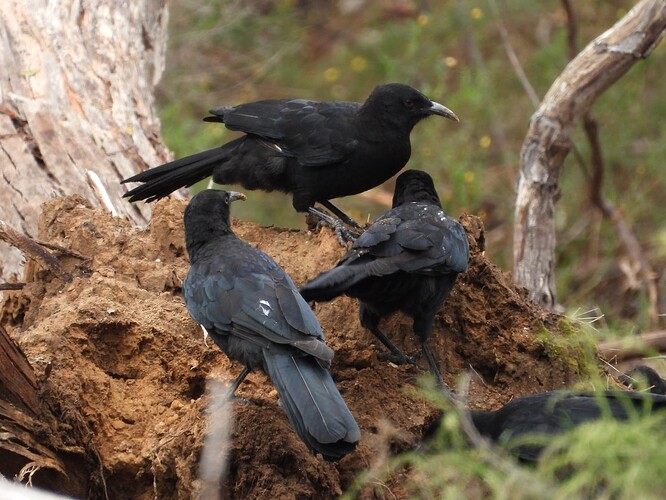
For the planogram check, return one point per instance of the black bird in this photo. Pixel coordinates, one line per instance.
(314, 150)
(254, 313)
(552, 413)
(408, 260)
(644, 377)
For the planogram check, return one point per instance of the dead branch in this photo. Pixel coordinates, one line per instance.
(633, 347)
(513, 58)
(32, 250)
(11, 286)
(547, 142)
(100, 192)
(18, 384)
(639, 264)
(61, 250)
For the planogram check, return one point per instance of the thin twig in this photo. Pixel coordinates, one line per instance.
(100, 192)
(12, 286)
(62, 250)
(640, 264)
(32, 250)
(513, 58)
(572, 29)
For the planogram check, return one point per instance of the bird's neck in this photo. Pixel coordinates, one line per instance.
(204, 237)
(415, 195)
(381, 126)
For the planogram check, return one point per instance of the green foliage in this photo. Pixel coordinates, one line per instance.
(600, 459)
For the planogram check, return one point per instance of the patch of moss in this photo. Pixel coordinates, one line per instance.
(572, 343)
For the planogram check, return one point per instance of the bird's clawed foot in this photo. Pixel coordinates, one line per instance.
(399, 359)
(343, 234)
(237, 399)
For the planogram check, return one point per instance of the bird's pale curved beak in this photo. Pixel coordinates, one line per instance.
(235, 195)
(441, 110)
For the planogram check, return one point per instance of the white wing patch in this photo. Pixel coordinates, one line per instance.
(265, 307)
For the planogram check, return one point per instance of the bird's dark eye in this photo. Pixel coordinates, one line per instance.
(409, 103)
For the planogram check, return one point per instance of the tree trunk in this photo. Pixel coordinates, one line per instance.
(547, 142)
(77, 94)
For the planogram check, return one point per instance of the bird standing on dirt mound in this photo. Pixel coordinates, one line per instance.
(408, 260)
(314, 150)
(254, 313)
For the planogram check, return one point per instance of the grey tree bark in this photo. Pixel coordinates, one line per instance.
(76, 94)
(547, 142)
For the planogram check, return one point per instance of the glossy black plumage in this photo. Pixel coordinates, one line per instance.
(552, 413)
(314, 150)
(254, 313)
(408, 260)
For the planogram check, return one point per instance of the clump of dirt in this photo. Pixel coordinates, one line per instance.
(124, 369)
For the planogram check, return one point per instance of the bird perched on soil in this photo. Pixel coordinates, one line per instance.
(407, 260)
(552, 413)
(644, 377)
(254, 313)
(314, 150)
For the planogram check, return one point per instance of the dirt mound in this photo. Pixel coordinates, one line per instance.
(124, 368)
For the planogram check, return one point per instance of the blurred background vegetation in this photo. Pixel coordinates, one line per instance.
(233, 51)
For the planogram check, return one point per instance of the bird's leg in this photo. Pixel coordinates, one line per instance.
(340, 214)
(397, 356)
(435, 371)
(343, 235)
(433, 365)
(237, 383)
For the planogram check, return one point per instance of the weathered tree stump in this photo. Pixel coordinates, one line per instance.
(547, 142)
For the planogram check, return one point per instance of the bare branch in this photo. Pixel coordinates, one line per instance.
(11, 286)
(513, 58)
(547, 142)
(632, 347)
(100, 192)
(32, 250)
(639, 262)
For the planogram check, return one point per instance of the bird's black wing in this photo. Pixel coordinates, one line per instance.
(415, 237)
(243, 292)
(315, 133)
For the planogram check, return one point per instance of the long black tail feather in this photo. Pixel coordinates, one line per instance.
(332, 283)
(165, 179)
(314, 406)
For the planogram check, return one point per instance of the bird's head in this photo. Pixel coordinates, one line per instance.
(415, 185)
(400, 103)
(207, 216)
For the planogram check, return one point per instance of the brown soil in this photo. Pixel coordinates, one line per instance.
(123, 368)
